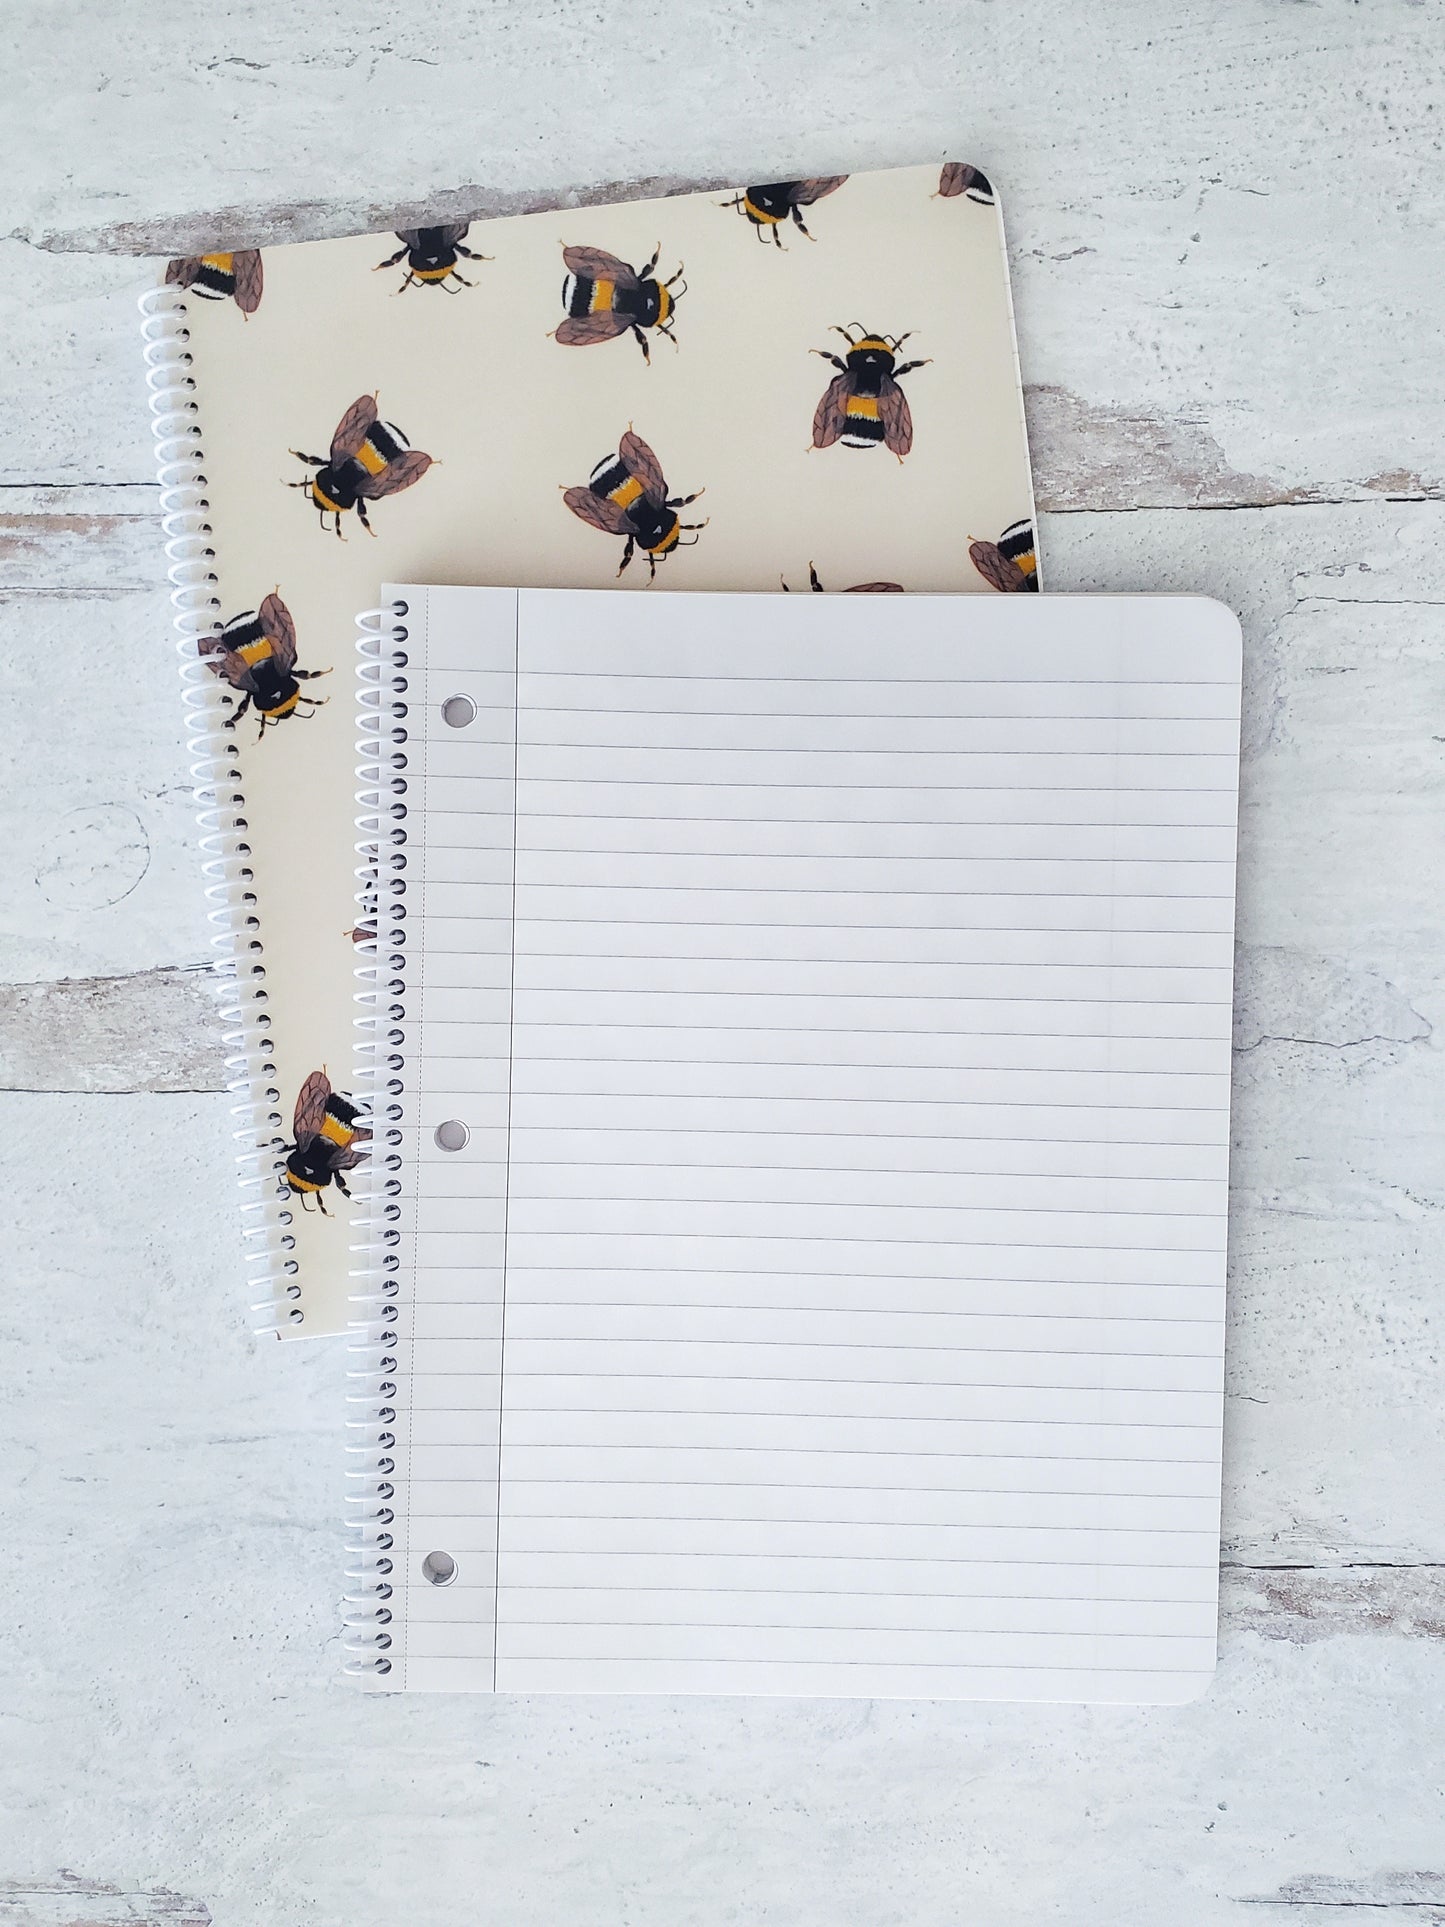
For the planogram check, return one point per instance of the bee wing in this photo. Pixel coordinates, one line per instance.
(875, 588)
(351, 429)
(310, 1107)
(410, 237)
(280, 630)
(232, 666)
(180, 274)
(806, 192)
(246, 267)
(453, 232)
(408, 467)
(959, 178)
(596, 510)
(896, 416)
(998, 570)
(639, 460)
(580, 331)
(831, 413)
(596, 264)
(348, 1159)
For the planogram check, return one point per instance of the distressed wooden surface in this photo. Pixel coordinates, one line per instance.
(1228, 241)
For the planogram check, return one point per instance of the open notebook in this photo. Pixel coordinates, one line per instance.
(801, 1086)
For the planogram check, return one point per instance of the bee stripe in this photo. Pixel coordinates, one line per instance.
(601, 302)
(669, 541)
(371, 459)
(282, 708)
(755, 213)
(432, 274)
(335, 1132)
(324, 501)
(222, 263)
(301, 1184)
(628, 493)
(254, 652)
(865, 405)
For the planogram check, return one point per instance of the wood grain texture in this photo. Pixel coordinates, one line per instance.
(1228, 238)
(70, 1901)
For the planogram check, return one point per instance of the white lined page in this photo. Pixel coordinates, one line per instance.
(870, 978)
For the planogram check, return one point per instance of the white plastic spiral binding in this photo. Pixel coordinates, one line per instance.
(380, 1057)
(238, 975)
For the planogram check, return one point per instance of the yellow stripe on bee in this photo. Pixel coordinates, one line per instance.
(432, 274)
(370, 460)
(601, 302)
(873, 342)
(625, 496)
(222, 263)
(669, 541)
(282, 709)
(253, 652)
(664, 306)
(300, 1184)
(864, 405)
(1028, 563)
(335, 1132)
(756, 213)
(324, 501)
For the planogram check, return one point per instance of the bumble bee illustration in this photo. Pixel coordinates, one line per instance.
(770, 206)
(863, 404)
(431, 255)
(959, 178)
(604, 297)
(369, 458)
(256, 653)
(221, 277)
(858, 588)
(1010, 564)
(329, 1141)
(627, 495)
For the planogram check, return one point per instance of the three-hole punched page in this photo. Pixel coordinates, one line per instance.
(801, 1097)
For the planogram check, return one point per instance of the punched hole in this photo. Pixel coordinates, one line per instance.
(458, 711)
(453, 1135)
(439, 1568)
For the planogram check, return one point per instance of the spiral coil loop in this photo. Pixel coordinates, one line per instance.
(238, 973)
(381, 1040)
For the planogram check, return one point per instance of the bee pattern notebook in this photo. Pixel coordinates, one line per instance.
(800, 1064)
(806, 385)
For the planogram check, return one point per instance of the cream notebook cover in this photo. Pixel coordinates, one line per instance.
(823, 370)
(800, 1069)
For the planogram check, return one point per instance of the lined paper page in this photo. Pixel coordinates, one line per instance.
(870, 1014)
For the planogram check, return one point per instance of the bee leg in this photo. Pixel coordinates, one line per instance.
(320, 1206)
(641, 340)
(681, 501)
(644, 273)
(239, 711)
(461, 281)
(390, 261)
(813, 581)
(309, 675)
(627, 552)
(798, 218)
(311, 461)
(909, 366)
(836, 360)
(341, 1184)
(360, 515)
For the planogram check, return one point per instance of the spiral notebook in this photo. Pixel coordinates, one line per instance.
(799, 1059)
(823, 372)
